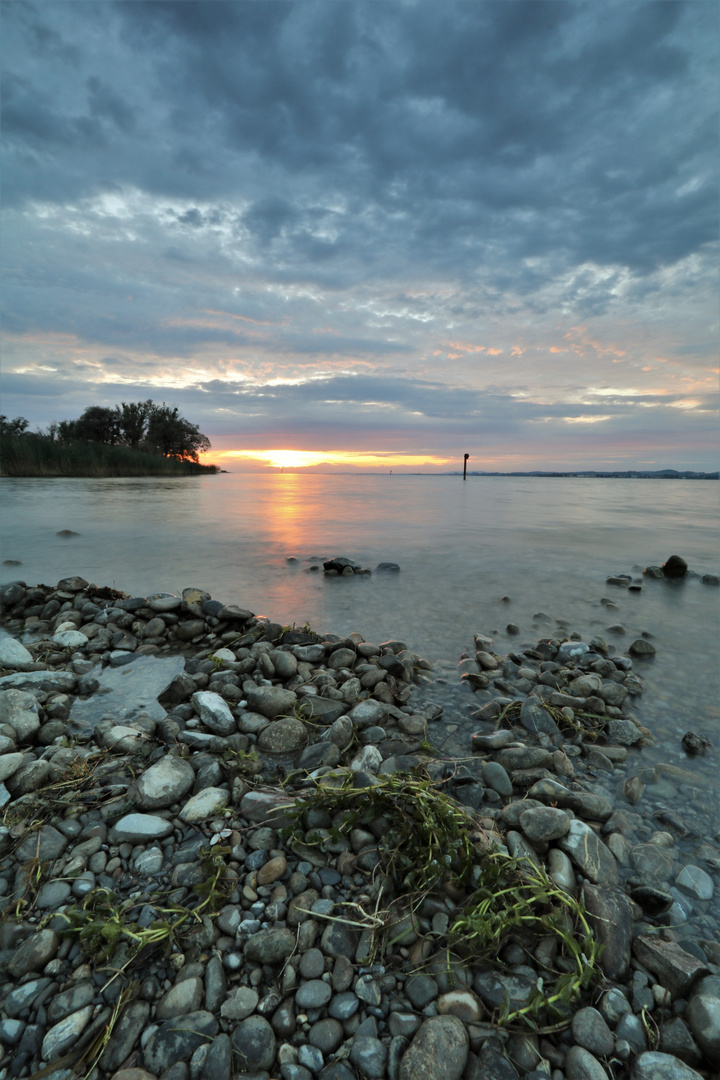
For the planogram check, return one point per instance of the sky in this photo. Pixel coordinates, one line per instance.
(344, 235)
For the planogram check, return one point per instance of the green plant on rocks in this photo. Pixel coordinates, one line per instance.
(516, 899)
(427, 842)
(428, 838)
(106, 926)
(586, 725)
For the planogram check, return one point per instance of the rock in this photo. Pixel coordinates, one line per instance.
(218, 1060)
(71, 584)
(654, 1066)
(271, 701)
(675, 968)
(125, 1035)
(580, 1064)
(675, 567)
(139, 828)
(524, 757)
(164, 783)
(62, 1036)
(624, 732)
(70, 639)
(495, 777)
(62, 682)
(544, 823)
(253, 1041)
(498, 987)
(206, 804)
(29, 777)
(320, 710)
(34, 953)
(652, 861)
(313, 994)
(590, 1031)
(439, 1049)
(641, 647)
(460, 1003)
(703, 1018)
(270, 946)
(214, 713)
(184, 997)
(190, 629)
(695, 744)
(176, 1039)
(164, 602)
(19, 710)
(9, 764)
(283, 736)
(677, 1041)
(266, 808)
(14, 655)
(691, 879)
(610, 916)
(590, 854)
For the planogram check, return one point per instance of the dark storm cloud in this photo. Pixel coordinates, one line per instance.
(536, 127)
(254, 190)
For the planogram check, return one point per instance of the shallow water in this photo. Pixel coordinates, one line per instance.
(547, 544)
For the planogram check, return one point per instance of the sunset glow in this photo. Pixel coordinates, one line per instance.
(303, 459)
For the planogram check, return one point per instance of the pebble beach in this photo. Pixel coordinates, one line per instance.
(212, 844)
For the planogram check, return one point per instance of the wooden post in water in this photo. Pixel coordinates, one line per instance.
(465, 467)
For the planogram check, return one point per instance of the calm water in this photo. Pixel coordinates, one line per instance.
(548, 544)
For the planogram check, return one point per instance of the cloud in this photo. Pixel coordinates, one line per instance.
(200, 194)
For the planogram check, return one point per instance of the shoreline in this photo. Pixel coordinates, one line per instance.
(309, 950)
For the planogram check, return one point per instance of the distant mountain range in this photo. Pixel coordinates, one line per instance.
(629, 474)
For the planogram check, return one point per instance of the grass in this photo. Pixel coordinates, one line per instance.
(427, 843)
(37, 455)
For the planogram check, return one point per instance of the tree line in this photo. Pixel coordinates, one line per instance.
(137, 425)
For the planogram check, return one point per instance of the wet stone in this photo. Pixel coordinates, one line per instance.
(439, 1049)
(164, 783)
(283, 736)
(421, 990)
(696, 882)
(367, 1053)
(495, 777)
(177, 1039)
(580, 1064)
(125, 1035)
(34, 953)
(544, 823)
(253, 1041)
(703, 1018)
(270, 946)
(313, 994)
(45, 845)
(343, 1006)
(590, 1031)
(139, 828)
(63, 1035)
(589, 853)
(653, 1065)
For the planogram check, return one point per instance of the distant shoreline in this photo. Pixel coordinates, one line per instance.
(585, 474)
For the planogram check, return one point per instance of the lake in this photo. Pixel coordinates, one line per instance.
(547, 544)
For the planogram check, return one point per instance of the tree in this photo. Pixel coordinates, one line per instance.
(97, 424)
(173, 435)
(134, 419)
(13, 427)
